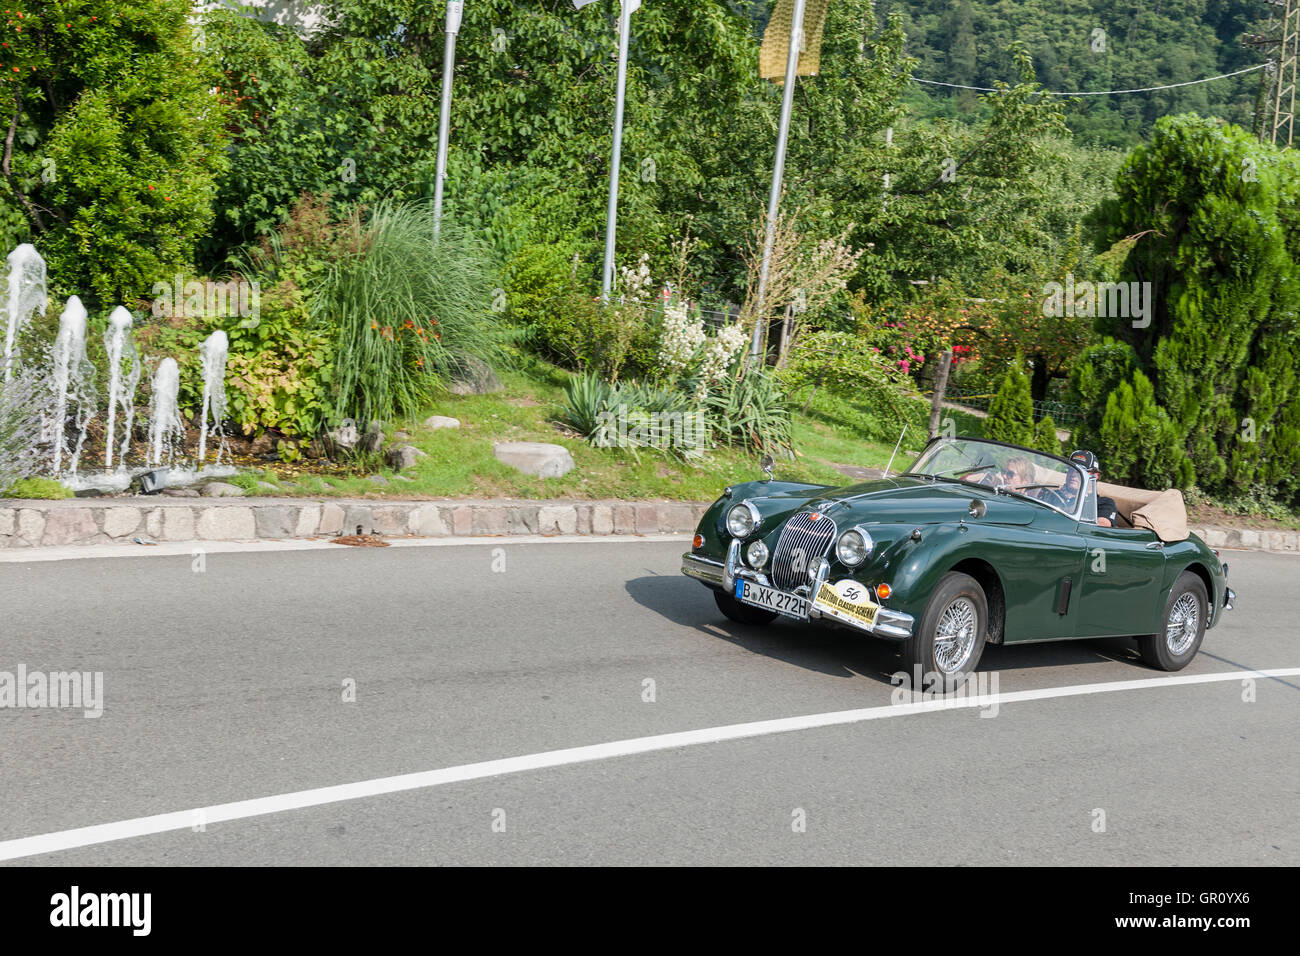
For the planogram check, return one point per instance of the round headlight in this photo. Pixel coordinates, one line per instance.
(756, 555)
(742, 520)
(853, 547)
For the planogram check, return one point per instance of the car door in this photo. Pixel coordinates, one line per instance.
(1123, 574)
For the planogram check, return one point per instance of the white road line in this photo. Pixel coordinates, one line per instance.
(187, 548)
(302, 799)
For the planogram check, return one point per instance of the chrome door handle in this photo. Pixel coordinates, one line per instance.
(1155, 546)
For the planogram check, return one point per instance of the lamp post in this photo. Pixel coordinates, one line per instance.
(454, 10)
(778, 172)
(626, 9)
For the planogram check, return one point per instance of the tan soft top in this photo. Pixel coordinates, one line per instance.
(1163, 512)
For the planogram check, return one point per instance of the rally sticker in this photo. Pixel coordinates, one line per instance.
(848, 601)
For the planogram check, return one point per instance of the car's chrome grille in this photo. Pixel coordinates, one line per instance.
(802, 542)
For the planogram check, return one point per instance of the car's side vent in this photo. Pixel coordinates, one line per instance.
(1063, 602)
(802, 542)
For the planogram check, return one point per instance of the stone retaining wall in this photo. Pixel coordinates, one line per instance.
(25, 524)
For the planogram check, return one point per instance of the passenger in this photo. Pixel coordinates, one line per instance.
(1107, 510)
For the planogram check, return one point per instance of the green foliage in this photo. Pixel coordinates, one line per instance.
(405, 310)
(1045, 436)
(1215, 211)
(1094, 375)
(750, 410)
(1144, 45)
(1011, 412)
(278, 371)
(120, 140)
(1139, 445)
(586, 397)
(579, 332)
(846, 365)
(37, 488)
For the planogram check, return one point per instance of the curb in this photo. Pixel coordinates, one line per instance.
(1250, 539)
(46, 524)
(79, 521)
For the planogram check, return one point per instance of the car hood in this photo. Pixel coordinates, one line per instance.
(903, 499)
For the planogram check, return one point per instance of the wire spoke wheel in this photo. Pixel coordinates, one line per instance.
(954, 638)
(1184, 621)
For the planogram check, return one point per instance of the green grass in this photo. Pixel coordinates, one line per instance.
(460, 462)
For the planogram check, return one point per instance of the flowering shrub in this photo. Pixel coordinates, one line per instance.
(679, 338)
(721, 353)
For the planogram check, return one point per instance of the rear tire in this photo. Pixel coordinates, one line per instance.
(949, 640)
(1183, 626)
(742, 613)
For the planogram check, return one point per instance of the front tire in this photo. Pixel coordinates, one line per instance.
(1183, 626)
(742, 613)
(947, 644)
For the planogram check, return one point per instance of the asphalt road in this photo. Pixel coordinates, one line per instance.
(228, 684)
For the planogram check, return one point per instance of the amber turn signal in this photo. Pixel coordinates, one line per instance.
(883, 591)
(698, 541)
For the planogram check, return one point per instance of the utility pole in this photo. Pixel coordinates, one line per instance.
(455, 8)
(1276, 120)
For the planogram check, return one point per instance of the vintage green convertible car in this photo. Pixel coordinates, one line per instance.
(978, 542)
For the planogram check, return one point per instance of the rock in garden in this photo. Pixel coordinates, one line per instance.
(377, 479)
(373, 439)
(220, 489)
(267, 486)
(344, 438)
(535, 458)
(180, 492)
(441, 421)
(401, 457)
(474, 377)
(262, 444)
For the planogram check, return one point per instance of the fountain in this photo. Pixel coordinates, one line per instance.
(213, 353)
(166, 430)
(25, 295)
(121, 389)
(74, 379)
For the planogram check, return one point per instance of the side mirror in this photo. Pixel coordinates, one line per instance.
(766, 463)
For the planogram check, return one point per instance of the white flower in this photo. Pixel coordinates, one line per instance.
(680, 337)
(721, 353)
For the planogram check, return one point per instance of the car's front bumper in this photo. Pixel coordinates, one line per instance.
(890, 624)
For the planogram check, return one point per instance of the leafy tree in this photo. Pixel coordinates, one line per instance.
(1088, 45)
(1045, 438)
(1011, 411)
(1094, 374)
(1210, 215)
(1140, 445)
(114, 140)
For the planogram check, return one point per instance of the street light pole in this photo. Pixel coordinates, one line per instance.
(454, 10)
(611, 215)
(778, 172)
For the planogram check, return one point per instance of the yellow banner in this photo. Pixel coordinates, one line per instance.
(776, 40)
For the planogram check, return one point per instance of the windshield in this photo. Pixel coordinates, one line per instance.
(1014, 470)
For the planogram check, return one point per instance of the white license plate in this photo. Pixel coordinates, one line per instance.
(791, 605)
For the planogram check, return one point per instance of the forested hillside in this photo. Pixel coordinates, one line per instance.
(1082, 45)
